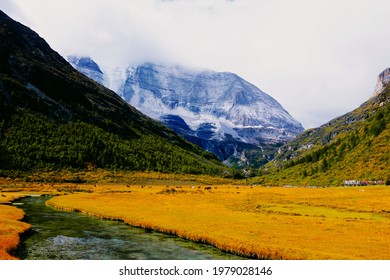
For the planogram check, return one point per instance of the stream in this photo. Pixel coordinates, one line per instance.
(60, 235)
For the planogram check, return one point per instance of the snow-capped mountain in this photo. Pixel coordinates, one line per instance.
(219, 111)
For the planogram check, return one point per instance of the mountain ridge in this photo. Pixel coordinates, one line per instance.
(53, 117)
(353, 146)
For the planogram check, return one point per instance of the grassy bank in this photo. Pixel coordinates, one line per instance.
(19, 184)
(10, 224)
(276, 223)
(10, 216)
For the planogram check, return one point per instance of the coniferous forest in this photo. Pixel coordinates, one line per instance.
(32, 142)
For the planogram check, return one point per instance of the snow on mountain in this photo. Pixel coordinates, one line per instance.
(225, 101)
(88, 67)
(209, 108)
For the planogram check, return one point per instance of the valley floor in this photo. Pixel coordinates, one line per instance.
(260, 222)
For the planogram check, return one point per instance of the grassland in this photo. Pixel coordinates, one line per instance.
(255, 221)
(10, 225)
(259, 222)
(65, 182)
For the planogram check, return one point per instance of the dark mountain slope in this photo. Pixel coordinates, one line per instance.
(51, 116)
(36, 77)
(354, 146)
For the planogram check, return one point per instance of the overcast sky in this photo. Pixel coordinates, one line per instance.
(319, 59)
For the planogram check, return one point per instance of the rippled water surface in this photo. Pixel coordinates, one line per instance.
(67, 235)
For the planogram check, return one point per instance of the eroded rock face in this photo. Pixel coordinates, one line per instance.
(382, 81)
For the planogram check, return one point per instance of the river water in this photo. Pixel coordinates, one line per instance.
(60, 235)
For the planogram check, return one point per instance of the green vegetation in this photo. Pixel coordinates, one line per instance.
(32, 142)
(352, 147)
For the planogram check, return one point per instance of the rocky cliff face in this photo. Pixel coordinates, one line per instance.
(221, 112)
(382, 81)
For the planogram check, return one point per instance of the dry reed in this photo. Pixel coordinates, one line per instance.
(265, 223)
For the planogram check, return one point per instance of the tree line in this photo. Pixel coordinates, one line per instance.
(33, 142)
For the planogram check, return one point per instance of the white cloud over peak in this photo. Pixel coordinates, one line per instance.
(319, 59)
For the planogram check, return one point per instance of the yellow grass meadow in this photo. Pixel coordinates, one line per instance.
(260, 222)
(10, 225)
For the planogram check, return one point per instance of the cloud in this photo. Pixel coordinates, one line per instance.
(9, 7)
(319, 59)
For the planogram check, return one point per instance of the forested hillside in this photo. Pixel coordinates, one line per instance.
(53, 117)
(354, 146)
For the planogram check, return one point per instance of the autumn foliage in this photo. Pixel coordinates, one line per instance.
(10, 227)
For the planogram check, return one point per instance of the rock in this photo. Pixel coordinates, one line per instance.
(382, 81)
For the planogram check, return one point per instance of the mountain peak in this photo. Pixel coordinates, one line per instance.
(216, 94)
(84, 62)
(87, 66)
(212, 109)
(382, 80)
